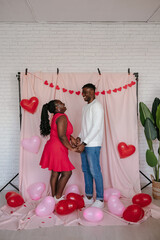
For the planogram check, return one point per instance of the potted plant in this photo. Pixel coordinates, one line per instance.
(151, 123)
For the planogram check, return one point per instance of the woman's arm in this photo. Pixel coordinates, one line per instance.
(61, 129)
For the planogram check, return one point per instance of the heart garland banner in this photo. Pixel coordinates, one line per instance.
(71, 91)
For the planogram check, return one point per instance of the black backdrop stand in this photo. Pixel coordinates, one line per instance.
(20, 116)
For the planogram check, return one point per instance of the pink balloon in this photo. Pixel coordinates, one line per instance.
(46, 207)
(72, 189)
(31, 144)
(111, 192)
(35, 190)
(115, 206)
(93, 214)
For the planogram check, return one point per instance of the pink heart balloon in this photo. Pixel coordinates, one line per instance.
(35, 190)
(46, 207)
(93, 214)
(115, 206)
(111, 192)
(72, 189)
(31, 144)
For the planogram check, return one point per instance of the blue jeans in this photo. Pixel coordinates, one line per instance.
(92, 170)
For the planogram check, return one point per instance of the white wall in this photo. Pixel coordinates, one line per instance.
(72, 47)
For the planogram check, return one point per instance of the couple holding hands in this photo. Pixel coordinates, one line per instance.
(88, 144)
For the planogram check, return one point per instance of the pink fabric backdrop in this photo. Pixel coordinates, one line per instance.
(120, 126)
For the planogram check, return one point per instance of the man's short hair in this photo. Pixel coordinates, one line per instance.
(89, 85)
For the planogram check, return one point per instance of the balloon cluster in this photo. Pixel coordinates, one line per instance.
(14, 199)
(115, 206)
(134, 212)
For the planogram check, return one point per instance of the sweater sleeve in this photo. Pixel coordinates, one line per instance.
(97, 123)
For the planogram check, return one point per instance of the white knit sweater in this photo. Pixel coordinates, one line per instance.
(92, 126)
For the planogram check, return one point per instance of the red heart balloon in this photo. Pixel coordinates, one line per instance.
(125, 150)
(65, 206)
(14, 199)
(77, 198)
(30, 105)
(133, 213)
(142, 199)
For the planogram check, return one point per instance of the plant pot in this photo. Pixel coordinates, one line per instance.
(155, 188)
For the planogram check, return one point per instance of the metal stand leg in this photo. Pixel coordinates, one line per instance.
(147, 179)
(10, 182)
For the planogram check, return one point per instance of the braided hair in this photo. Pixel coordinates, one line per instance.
(44, 125)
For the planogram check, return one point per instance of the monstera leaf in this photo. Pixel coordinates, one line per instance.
(151, 158)
(144, 113)
(158, 117)
(150, 130)
(154, 107)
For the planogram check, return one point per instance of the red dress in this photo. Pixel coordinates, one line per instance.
(55, 154)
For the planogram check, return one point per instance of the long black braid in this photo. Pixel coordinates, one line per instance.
(44, 125)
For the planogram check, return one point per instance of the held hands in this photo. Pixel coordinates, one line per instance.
(77, 146)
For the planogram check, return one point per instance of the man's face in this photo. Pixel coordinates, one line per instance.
(88, 94)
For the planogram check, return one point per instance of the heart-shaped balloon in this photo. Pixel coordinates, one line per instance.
(133, 213)
(142, 199)
(72, 189)
(14, 199)
(115, 206)
(125, 150)
(93, 214)
(65, 206)
(46, 207)
(36, 190)
(30, 105)
(111, 192)
(77, 198)
(31, 144)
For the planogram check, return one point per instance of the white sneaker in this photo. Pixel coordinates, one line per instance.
(88, 201)
(98, 204)
(59, 199)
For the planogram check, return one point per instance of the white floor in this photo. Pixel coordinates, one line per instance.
(149, 230)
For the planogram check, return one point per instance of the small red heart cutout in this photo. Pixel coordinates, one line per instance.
(64, 90)
(78, 92)
(71, 91)
(109, 91)
(125, 86)
(96, 93)
(133, 83)
(57, 87)
(130, 84)
(103, 92)
(125, 150)
(30, 105)
(46, 82)
(119, 89)
(114, 90)
(51, 85)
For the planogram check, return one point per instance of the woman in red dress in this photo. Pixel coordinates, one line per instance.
(55, 153)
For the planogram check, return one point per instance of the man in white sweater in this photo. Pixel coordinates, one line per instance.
(89, 144)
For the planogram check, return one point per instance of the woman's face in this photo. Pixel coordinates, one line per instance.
(60, 107)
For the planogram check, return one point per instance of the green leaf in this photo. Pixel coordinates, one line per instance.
(144, 113)
(155, 104)
(151, 158)
(158, 117)
(150, 130)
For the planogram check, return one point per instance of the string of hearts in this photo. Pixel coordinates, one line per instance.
(119, 89)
